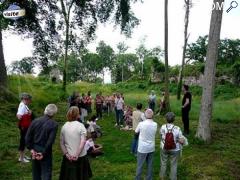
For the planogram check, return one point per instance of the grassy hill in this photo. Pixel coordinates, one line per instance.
(217, 160)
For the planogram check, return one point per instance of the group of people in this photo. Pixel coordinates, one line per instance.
(76, 141)
(143, 145)
(77, 137)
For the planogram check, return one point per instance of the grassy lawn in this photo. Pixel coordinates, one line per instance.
(217, 160)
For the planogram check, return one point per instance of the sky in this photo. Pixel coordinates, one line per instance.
(151, 27)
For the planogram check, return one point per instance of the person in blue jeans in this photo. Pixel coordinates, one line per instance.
(39, 140)
(146, 145)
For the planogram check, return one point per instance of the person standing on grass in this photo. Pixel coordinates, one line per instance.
(137, 118)
(99, 105)
(75, 164)
(89, 102)
(170, 145)
(24, 116)
(119, 106)
(146, 144)
(152, 100)
(186, 107)
(39, 140)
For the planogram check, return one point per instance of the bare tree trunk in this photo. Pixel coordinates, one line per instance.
(3, 71)
(65, 57)
(186, 35)
(204, 130)
(122, 73)
(66, 13)
(166, 56)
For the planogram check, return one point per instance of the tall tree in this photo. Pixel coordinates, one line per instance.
(84, 16)
(106, 54)
(204, 130)
(166, 55)
(122, 48)
(186, 36)
(3, 71)
(24, 66)
(28, 24)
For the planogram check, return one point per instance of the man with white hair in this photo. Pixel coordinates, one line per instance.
(39, 140)
(146, 144)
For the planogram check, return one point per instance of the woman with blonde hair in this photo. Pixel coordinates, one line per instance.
(75, 164)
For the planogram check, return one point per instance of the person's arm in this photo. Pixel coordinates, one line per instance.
(137, 131)
(62, 144)
(51, 139)
(181, 138)
(81, 146)
(186, 103)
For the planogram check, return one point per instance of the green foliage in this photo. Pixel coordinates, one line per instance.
(24, 66)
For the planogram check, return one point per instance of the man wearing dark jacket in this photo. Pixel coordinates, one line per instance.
(39, 140)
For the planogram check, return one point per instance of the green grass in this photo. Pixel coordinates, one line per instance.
(217, 160)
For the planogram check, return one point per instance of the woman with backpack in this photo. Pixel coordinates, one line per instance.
(171, 141)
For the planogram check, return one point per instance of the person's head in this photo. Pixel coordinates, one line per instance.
(93, 118)
(170, 117)
(149, 114)
(26, 98)
(50, 110)
(185, 88)
(139, 106)
(118, 95)
(89, 93)
(152, 92)
(73, 113)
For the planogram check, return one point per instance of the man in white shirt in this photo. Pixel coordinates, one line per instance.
(146, 144)
(172, 154)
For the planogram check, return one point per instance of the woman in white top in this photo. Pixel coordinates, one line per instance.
(24, 116)
(75, 164)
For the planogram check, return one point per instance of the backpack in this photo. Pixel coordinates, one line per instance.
(169, 140)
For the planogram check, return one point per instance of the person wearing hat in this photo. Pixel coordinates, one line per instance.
(152, 101)
(39, 140)
(146, 144)
(24, 116)
(172, 153)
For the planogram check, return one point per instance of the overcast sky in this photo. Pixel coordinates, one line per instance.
(152, 27)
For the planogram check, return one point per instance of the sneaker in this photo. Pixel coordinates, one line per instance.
(27, 157)
(24, 160)
(116, 125)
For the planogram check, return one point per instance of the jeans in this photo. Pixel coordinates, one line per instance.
(185, 120)
(119, 116)
(134, 145)
(42, 170)
(173, 156)
(152, 106)
(141, 158)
